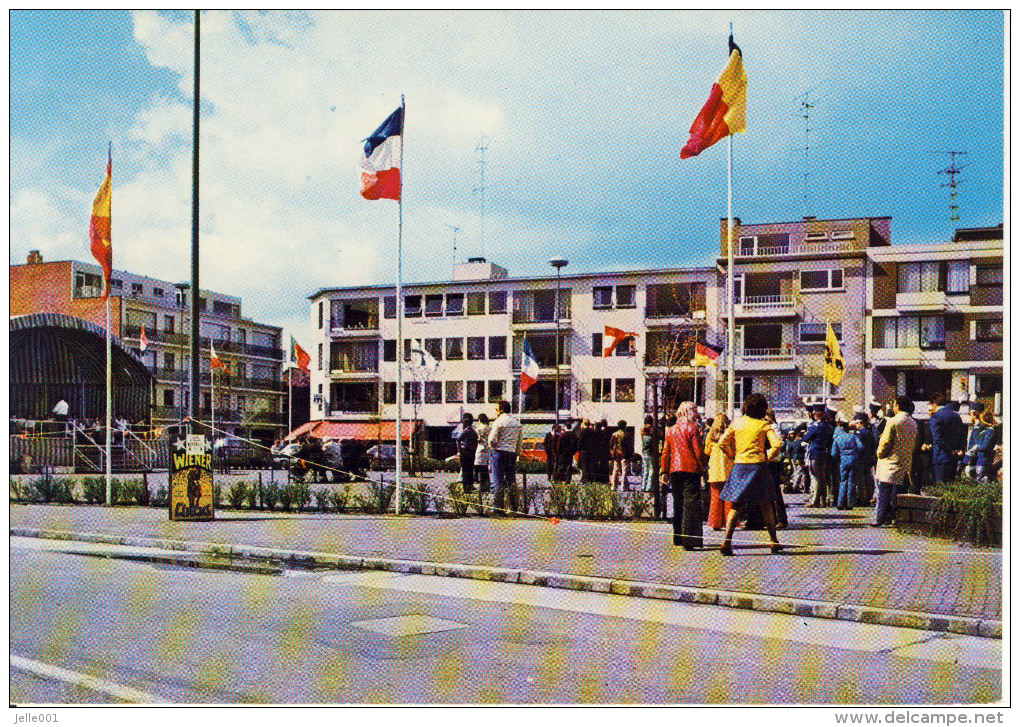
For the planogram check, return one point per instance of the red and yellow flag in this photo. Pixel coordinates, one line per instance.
(299, 355)
(618, 337)
(215, 362)
(725, 112)
(99, 227)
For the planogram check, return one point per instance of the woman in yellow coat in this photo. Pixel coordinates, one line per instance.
(753, 443)
(720, 465)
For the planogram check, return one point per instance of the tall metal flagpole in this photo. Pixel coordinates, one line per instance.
(730, 328)
(400, 311)
(195, 391)
(290, 401)
(109, 350)
(212, 402)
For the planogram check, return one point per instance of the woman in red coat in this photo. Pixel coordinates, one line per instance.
(682, 456)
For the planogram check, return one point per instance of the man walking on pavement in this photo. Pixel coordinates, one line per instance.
(895, 454)
(505, 440)
(467, 443)
(948, 439)
(818, 440)
(549, 444)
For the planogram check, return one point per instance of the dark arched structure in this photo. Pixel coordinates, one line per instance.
(55, 356)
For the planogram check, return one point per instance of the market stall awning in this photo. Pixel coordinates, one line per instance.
(365, 431)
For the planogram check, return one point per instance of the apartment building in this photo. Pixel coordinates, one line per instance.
(791, 280)
(935, 319)
(474, 327)
(250, 396)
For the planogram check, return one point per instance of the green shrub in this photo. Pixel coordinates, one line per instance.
(271, 496)
(966, 510)
(380, 494)
(638, 504)
(594, 499)
(458, 499)
(217, 496)
(238, 493)
(438, 503)
(481, 503)
(340, 499)
(302, 495)
(530, 466)
(130, 492)
(564, 500)
(615, 509)
(94, 489)
(160, 498)
(527, 498)
(287, 493)
(427, 464)
(416, 498)
(252, 494)
(322, 500)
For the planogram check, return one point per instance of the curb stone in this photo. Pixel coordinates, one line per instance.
(274, 560)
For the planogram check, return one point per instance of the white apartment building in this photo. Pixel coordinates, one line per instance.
(474, 327)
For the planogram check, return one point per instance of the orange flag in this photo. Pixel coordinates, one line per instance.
(214, 360)
(100, 227)
(617, 335)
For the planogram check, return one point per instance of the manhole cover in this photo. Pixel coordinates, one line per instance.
(410, 625)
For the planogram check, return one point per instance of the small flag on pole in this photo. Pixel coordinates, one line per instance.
(725, 112)
(380, 166)
(214, 360)
(834, 370)
(143, 340)
(99, 227)
(618, 336)
(298, 355)
(706, 355)
(529, 367)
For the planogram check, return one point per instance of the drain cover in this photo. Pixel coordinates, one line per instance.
(410, 625)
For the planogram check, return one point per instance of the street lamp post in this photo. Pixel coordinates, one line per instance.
(559, 264)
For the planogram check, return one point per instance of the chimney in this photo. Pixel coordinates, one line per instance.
(34, 257)
(809, 218)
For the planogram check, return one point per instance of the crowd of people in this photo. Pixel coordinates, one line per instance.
(722, 473)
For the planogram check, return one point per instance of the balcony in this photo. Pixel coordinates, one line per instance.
(356, 332)
(766, 306)
(907, 356)
(749, 248)
(665, 318)
(766, 359)
(935, 300)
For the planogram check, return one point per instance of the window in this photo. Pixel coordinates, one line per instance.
(476, 304)
(496, 389)
(988, 329)
(389, 349)
(475, 392)
(907, 333)
(412, 306)
(168, 397)
(958, 277)
(821, 279)
(136, 290)
(454, 349)
(625, 297)
(407, 349)
(933, 332)
(601, 390)
(434, 348)
(158, 292)
(389, 306)
(454, 392)
(497, 347)
(919, 277)
(602, 297)
(455, 304)
(433, 306)
(497, 302)
(118, 284)
(989, 275)
(168, 361)
(625, 348)
(809, 386)
(476, 348)
(412, 392)
(389, 392)
(322, 306)
(320, 357)
(817, 332)
(168, 324)
(988, 385)
(433, 392)
(625, 389)
(596, 344)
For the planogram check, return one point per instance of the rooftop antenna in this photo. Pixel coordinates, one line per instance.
(455, 229)
(804, 107)
(483, 145)
(952, 171)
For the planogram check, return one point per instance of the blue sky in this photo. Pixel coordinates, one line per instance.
(586, 113)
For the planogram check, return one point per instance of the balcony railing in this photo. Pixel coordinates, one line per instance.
(766, 354)
(802, 248)
(763, 302)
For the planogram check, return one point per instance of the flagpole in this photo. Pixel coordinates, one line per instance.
(109, 344)
(290, 401)
(731, 327)
(400, 313)
(212, 401)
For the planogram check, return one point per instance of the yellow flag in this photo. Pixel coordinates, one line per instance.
(833, 359)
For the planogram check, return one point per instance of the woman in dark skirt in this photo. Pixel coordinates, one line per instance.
(753, 443)
(778, 503)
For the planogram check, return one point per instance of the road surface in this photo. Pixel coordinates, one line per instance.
(91, 627)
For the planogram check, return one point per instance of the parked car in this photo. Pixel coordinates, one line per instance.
(384, 456)
(533, 449)
(282, 455)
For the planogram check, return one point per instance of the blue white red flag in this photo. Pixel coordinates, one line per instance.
(529, 367)
(380, 167)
